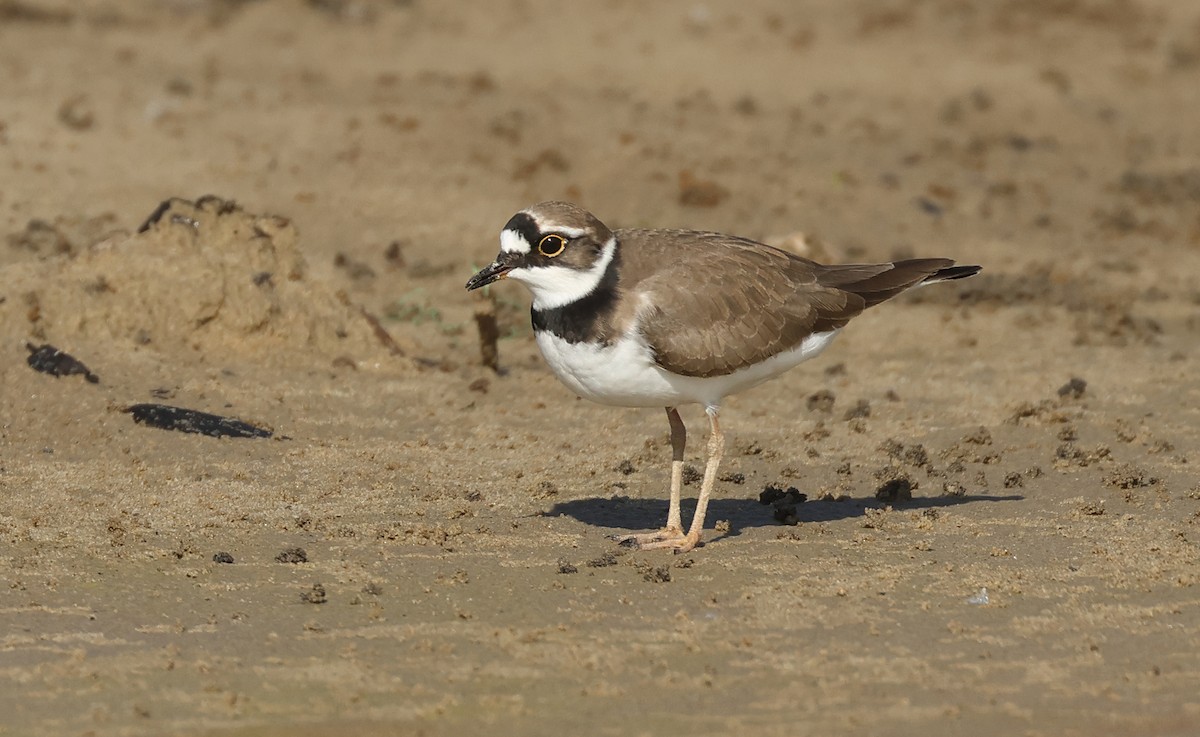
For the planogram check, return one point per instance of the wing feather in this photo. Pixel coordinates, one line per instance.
(745, 303)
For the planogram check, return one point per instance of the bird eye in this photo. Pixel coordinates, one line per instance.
(551, 245)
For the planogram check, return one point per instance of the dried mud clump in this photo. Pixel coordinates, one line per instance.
(913, 455)
(203, 275)
(1073, 389)
(774, 494)
(1060, 410)
(860, 410)
(315, 595)
(979, 437)
(604, 561)
(1126, 476)
(953, 489)
(1069, 455)
(896, 490)
(565, 566)
(657, 574)
(783, 503)
(1045, 411)
(443, 536)
(820, 401)
(545, 490)
(50, 360)
(292, 555)
(818, 432)
(972, 448)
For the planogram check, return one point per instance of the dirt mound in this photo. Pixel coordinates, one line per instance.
(204, 276)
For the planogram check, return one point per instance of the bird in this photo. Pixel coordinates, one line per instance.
(664, 317)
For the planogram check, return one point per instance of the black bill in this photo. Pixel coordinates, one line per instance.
(494, 271)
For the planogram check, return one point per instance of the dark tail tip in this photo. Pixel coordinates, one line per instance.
(952, 272)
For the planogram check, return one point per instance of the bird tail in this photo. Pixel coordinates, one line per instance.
(877, 283)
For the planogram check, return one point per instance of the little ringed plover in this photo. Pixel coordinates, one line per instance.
(661, 318)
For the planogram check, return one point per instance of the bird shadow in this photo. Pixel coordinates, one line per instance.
(629, 513)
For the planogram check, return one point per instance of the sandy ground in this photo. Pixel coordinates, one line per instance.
(457, 573)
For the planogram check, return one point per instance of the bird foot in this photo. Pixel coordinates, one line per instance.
(667, 538)
(642, 539)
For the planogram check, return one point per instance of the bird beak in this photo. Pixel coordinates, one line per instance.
(495, 271)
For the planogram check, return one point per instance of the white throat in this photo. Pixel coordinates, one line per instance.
(556, 286)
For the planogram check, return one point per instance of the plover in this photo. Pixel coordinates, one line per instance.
(662, 318)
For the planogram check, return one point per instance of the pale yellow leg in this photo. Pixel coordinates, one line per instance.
(716, 450)
(674, 528)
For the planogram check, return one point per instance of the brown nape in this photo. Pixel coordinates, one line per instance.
(877, 283)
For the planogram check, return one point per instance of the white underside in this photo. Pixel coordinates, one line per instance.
(624, 373)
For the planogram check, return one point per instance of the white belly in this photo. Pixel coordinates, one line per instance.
(624, 373)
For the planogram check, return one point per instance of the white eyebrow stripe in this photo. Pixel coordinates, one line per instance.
(549, 226)
(512, 242)
(571, 233)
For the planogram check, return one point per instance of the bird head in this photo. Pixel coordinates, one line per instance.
(561, 252)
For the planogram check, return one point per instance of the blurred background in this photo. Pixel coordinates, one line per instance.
(1020, 133)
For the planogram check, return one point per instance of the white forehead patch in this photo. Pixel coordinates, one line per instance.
(558, 285)
(512, 242)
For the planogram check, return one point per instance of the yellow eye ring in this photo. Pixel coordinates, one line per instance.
(551, 245)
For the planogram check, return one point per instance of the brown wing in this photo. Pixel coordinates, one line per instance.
(720, 303)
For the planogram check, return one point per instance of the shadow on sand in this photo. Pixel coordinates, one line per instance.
(628, 513)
